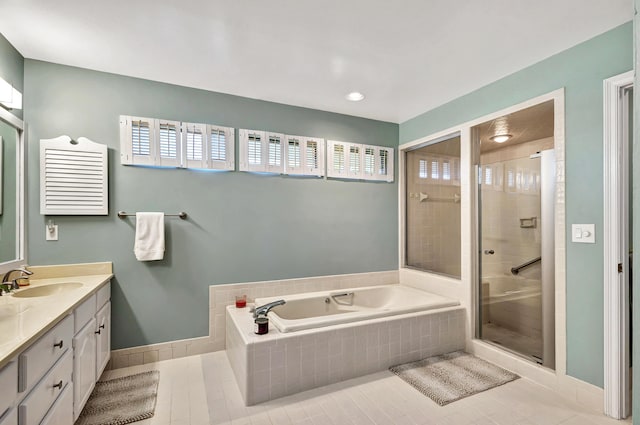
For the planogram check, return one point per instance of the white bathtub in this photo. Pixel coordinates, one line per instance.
(318, 309)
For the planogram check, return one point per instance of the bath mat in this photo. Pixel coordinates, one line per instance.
(122, 400)
(453, 376)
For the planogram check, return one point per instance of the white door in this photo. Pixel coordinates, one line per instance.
(103, 332)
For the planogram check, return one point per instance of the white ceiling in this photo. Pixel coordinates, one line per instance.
(407, 56)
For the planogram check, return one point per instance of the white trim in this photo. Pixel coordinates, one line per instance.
(616, 247)
(468, 286)
(21, 237)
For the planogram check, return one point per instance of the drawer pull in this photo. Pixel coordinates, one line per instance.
(97, 332)
(59, 345)
(58, 385)
(101, 326)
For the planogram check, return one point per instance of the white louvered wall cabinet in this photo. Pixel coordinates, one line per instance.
(73, 177)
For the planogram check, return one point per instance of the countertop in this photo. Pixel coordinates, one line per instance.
(24, 320)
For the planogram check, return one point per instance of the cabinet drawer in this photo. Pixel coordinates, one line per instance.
(62, 411)
(103, 295)
(83, 313)
(41, 398)
(37, 359)
(9, 386)
(11, 418)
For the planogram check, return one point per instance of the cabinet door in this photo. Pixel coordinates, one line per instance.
(10, 418)
(84, 366)
(103, 332)
(61, 413)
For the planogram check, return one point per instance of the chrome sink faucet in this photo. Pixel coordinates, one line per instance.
(263, 310)
(8, 286)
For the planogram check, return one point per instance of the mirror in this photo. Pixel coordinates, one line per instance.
(11, 191)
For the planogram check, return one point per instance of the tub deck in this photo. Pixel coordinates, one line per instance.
(283, 363)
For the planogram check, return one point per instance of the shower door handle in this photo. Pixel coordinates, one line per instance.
(489, 252)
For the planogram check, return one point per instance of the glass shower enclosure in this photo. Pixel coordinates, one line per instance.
(516, 192)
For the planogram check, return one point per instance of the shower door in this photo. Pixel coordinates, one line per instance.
(515, 222)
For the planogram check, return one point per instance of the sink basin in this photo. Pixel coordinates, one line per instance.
(47, 290)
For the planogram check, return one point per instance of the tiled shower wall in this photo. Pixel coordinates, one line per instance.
(502, 207)
(433, 208)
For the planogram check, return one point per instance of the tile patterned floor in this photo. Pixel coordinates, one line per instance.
(201, 390)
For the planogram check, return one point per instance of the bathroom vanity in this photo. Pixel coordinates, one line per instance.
(54, 343)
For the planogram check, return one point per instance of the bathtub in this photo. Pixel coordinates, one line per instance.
(319, 309)
(322, 342)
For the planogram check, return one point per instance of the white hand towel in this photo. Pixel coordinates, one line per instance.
(149, 244)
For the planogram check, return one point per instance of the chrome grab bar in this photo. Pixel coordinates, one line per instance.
(516, 270)
(343, 294)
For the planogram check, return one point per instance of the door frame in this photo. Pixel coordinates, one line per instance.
(617, 385)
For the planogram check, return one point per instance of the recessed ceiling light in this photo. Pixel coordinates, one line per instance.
(354, 96)
(501, 138)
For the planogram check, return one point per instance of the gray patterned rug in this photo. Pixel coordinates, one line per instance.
(122, 400)
(450, 377)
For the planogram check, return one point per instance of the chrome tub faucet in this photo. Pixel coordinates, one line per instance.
(263, 310)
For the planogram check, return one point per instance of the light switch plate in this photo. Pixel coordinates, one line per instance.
(583, 233)
(51, 234)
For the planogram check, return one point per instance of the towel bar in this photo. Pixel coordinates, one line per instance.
(182, 215)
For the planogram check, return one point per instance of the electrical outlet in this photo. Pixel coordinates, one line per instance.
(51, 232)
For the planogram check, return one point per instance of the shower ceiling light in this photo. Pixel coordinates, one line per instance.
(354, 96)
(501, 138)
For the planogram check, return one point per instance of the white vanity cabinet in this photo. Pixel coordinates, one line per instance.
(51, 379)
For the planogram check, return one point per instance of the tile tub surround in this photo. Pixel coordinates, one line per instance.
(276, 364)
(23, 320)
(220, 296)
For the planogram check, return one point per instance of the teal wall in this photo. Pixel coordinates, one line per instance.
(242, 227)
(11, 67)
(581, 71)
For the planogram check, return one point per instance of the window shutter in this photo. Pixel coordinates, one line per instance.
(73, 177)
(369, 162)
(384, 164)
(275, 153)
(193, 145)
(294, 150)
(221, 148)
(137, 141)
(253, 155)
(354, 152)
(168, 137)
(304, 156)
(337, 159)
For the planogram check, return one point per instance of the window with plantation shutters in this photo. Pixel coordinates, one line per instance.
(262, 151)
(220, 148)
(164, 143)
(358, 161)
(137, 141)
(73, 177)
(168, 135)
(275, 147)
(304, 156)
(193, 145)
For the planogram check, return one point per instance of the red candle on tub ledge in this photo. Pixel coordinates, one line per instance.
(241, 301)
